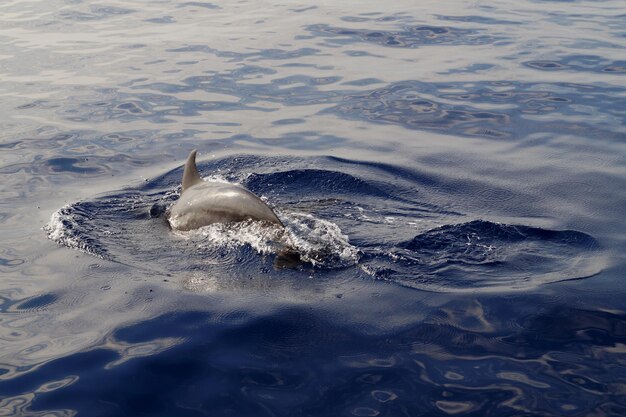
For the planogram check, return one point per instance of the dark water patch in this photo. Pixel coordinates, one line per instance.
(483, 20)
(172, 325)
(580, 63)
(408, 37)
(95, 13)
(7, 263)
(130, 107)
(464, 355)
(578, 329)
(10, 259)
(284, 122)
(260, 55)
(363, 82)
(110, 10)
(161, 20)
(71, 165)
(473, 69)
(367, 17)
(205, 5)
(10, 145)
(288, 331)
(39, 302)
(592, 44)
(361, 53)
(304, 9)
(298, 65)
(38, 104)
(135, 46)
(322, 183)
(353, 19)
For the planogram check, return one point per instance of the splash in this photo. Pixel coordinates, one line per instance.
(131, 228)
(66, 229)
(318, 242)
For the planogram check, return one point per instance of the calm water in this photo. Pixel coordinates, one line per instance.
(452, 174)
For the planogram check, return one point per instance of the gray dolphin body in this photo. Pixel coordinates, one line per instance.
(202, 203)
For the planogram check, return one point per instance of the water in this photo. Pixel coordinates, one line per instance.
(451, 176)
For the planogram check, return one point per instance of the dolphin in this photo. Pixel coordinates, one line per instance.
(202, 203)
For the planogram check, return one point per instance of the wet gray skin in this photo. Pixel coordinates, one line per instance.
(202, 203)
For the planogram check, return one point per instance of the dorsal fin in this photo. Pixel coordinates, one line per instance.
(191, 175)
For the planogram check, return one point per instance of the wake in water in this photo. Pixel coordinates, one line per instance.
(321, 207)
(485, 256)
(131, 228)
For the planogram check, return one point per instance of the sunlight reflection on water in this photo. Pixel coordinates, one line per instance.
(445, 146)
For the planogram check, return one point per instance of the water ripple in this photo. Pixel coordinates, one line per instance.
(409, 37)
(497, 110)
(583, 63)
(484, 255)
(315, 205)
(450, 175)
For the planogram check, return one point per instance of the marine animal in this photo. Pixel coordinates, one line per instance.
(202, 202)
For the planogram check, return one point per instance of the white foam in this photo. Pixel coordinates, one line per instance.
(60, 229)
(317, 241)
(218, 178)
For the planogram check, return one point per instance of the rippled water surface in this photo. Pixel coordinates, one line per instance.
(451, 176)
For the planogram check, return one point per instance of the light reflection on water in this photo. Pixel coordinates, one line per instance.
(409, 128)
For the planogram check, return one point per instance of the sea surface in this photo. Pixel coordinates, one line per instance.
(451, 175)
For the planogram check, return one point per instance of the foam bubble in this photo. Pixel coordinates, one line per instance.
(63, 229)
(318, 242)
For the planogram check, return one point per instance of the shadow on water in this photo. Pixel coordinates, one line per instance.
(338, 214)
(507, 359)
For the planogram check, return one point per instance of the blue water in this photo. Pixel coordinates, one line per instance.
(451, 175)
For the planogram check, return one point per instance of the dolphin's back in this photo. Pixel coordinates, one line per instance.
(209, 202)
